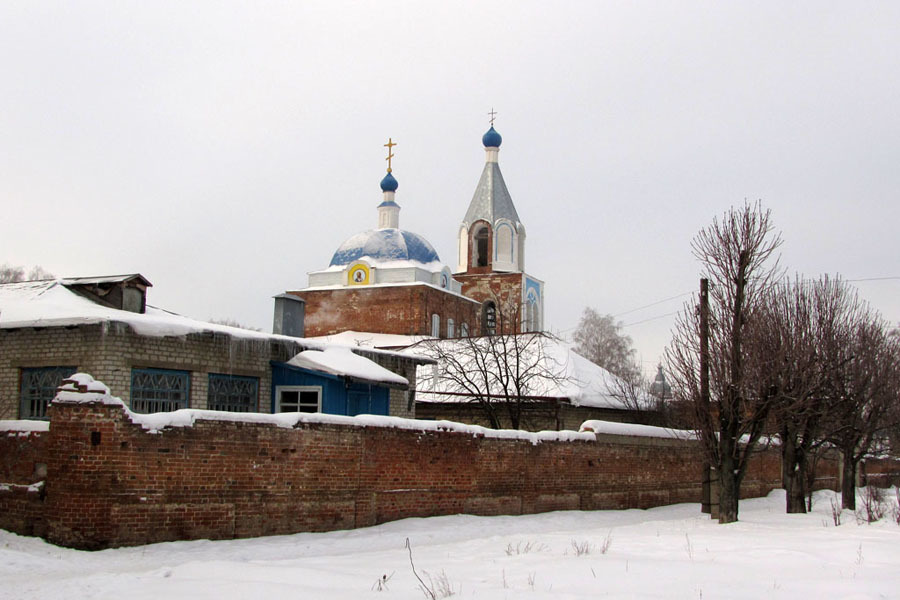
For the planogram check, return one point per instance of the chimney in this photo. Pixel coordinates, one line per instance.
(289, 315)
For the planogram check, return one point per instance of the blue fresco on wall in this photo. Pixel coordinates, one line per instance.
(533, 291)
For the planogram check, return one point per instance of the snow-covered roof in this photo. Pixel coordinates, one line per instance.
(386, 264)
(340, 360)
(50, 303)
(106, 279)
(565, 375)
(366, 339)
(385, 245)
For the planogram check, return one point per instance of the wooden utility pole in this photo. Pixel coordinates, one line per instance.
(707, 505)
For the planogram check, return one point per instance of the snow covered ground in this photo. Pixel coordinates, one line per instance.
(668, 552)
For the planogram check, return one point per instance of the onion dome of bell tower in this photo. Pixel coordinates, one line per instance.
(491, 139)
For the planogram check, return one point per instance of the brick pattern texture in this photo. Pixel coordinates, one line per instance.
(109, 483)
(401, 309)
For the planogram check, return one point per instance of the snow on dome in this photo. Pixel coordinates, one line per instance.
(385, 245)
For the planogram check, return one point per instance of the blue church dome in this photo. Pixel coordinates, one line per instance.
(491, 139)
(385, 245)
(389, 183)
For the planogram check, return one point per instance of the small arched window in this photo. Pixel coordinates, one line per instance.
(451, 328)
(436, 325)
(489, 318)
(464, 330)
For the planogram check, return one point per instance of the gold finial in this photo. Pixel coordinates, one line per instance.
(390, 155)
(493, 114)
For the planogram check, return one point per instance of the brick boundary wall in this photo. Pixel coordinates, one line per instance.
(23, 466)
(110, 483)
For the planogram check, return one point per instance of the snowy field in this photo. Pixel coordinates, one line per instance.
(668, 552)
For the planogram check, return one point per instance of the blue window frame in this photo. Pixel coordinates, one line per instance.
(39, 388)
(232, 393)
(159, 390)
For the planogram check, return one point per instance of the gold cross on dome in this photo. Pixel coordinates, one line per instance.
(390, 155)
(493, 114)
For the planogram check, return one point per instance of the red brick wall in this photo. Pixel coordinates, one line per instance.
(23, 458)
(400, 309)
(110, 483)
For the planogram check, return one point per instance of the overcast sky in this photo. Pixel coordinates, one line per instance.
(225, 149)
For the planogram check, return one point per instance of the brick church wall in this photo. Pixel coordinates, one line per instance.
(503, 288)
(400, 309)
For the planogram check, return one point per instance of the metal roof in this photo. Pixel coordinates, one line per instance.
(491, 200)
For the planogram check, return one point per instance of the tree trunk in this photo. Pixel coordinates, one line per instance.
(848, 480)
(729, 490)
(793, 475)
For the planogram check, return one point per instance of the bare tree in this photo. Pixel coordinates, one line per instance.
(599, 339)
(737, 257)
(504, 374)
(796, 321)
(861, 379)
(10, 274)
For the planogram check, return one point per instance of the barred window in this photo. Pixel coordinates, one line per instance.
(39, 388)
(232, 393)
(159, 390)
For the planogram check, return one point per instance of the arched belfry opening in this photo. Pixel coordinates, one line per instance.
(481, 251)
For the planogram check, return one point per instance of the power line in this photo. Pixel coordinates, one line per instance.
(872, 279)
(651, 319)
(627, 312)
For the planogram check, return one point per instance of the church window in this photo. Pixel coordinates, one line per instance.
(298, 398)
(159, 390)
(464, 330)
(489, 318)
(481, 246)
(39, 388)
(436, 325)
(232, 393)
(451, 328)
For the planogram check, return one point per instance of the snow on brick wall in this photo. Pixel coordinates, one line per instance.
(23, 456)
(111, 482)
